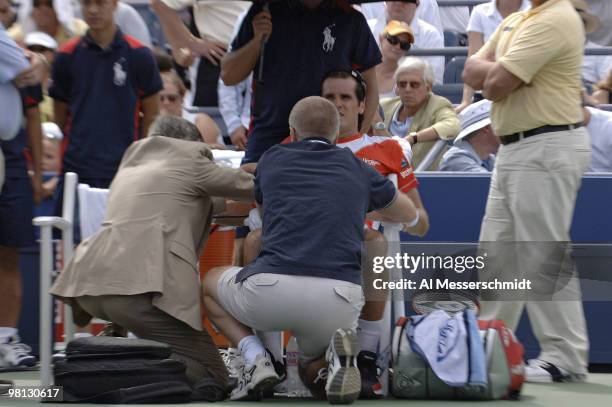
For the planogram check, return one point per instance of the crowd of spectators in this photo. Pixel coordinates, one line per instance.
(91, 68)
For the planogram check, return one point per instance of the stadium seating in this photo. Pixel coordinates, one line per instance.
(451, 91)
(454, 69)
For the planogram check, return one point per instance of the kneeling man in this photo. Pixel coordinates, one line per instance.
(307, 278)
(140, 270)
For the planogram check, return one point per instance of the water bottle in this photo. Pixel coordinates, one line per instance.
(295, 387)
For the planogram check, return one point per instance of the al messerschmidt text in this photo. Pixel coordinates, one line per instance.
(446, 284)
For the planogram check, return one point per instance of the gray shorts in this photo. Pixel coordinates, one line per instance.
(312, 308)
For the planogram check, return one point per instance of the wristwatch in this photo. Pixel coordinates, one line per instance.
(379, 126)
(414, 135)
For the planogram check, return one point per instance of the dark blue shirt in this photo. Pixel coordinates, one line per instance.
(303, 47)
(15, 162)
(103, 89)
(315, 197)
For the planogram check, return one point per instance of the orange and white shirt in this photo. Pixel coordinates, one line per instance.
(388, 155)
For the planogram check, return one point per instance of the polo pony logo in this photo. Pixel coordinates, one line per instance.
(329, 39)
(119, 74)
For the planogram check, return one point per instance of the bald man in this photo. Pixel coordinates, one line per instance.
(307, 277)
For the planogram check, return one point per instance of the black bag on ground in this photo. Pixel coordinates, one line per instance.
(120, 371)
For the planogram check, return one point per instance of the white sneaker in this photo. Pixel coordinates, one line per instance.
(256, 378)
(16, 354)
(343, 378)
(233, 361)
(540, 371)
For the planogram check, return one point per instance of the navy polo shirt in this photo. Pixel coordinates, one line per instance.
(303, 47)
(13, 150)
(315, 197)
(103, 89)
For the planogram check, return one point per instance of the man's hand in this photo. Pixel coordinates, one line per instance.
(239, 138)
(209, 49)
(183, 57)
(262, 26)
(34, 74)
(249, 167)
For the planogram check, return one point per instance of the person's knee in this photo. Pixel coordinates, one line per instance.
(211, 278)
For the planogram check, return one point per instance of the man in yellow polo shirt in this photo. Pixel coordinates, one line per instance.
(531, 70)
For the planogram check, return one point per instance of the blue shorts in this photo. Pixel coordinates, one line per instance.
(16, 212)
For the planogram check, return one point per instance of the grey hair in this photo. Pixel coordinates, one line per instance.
(315, 116)
(174, 127)
(416, 64)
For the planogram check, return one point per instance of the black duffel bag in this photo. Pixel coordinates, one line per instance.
(120, 371)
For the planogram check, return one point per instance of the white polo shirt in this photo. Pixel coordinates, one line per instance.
(595, 67)
(485, 18)
(600, 130)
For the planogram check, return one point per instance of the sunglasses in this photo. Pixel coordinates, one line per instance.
(393, 40)
(171, 98)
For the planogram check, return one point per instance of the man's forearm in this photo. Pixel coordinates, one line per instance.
(475, 72)
(372, 99)
(177, 34)
(238, 64)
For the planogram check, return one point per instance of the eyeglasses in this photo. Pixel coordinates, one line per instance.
(393, 40)
(172, 97)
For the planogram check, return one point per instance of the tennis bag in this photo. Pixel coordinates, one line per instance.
(414, 379)
(111, 370)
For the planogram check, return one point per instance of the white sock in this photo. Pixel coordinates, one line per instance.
(78, 335)
(7, 333)
(368, 333)
(250, 347)
(273, 342)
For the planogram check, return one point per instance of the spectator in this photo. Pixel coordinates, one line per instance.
(454, 18)
(602, 9)
(213, 24)
(8, 17)
(417, 114)
(475, 146)
(51, 163)
(54, 17)
(594, 67)
(287, 284)
(425, 34)
(395, 40)
(131, 23)
(43, 43)
(12, 64)
(483, 22)
(599, 125)
(171, 103)
(157, 221)
(18, 196)
(603, 90)
(531, 70)
(104, 103)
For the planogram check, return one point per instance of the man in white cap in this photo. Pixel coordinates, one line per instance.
(476, 145)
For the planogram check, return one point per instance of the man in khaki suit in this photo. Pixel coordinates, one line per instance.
(417, 114)
(140, 270)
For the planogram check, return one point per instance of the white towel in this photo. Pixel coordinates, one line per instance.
(92, 209)
(228, 158)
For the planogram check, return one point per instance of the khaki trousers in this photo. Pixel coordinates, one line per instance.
(531, 199)
(137, 314)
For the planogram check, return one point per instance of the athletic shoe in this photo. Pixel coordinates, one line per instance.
(16, 354)
(256, 378)
(371, 388)
(540, 371)
(343, 379)
(233, 361)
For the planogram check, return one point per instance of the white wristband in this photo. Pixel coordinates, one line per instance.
(414, 222)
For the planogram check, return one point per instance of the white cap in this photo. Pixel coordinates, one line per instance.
(42, 39)
(52, 131)
(474, 117)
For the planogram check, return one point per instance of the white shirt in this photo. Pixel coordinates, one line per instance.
(131, 23)
(600, 130)
(429, 12)
(455, 18)
(426, 36)
(595, 67)
(485, 18)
